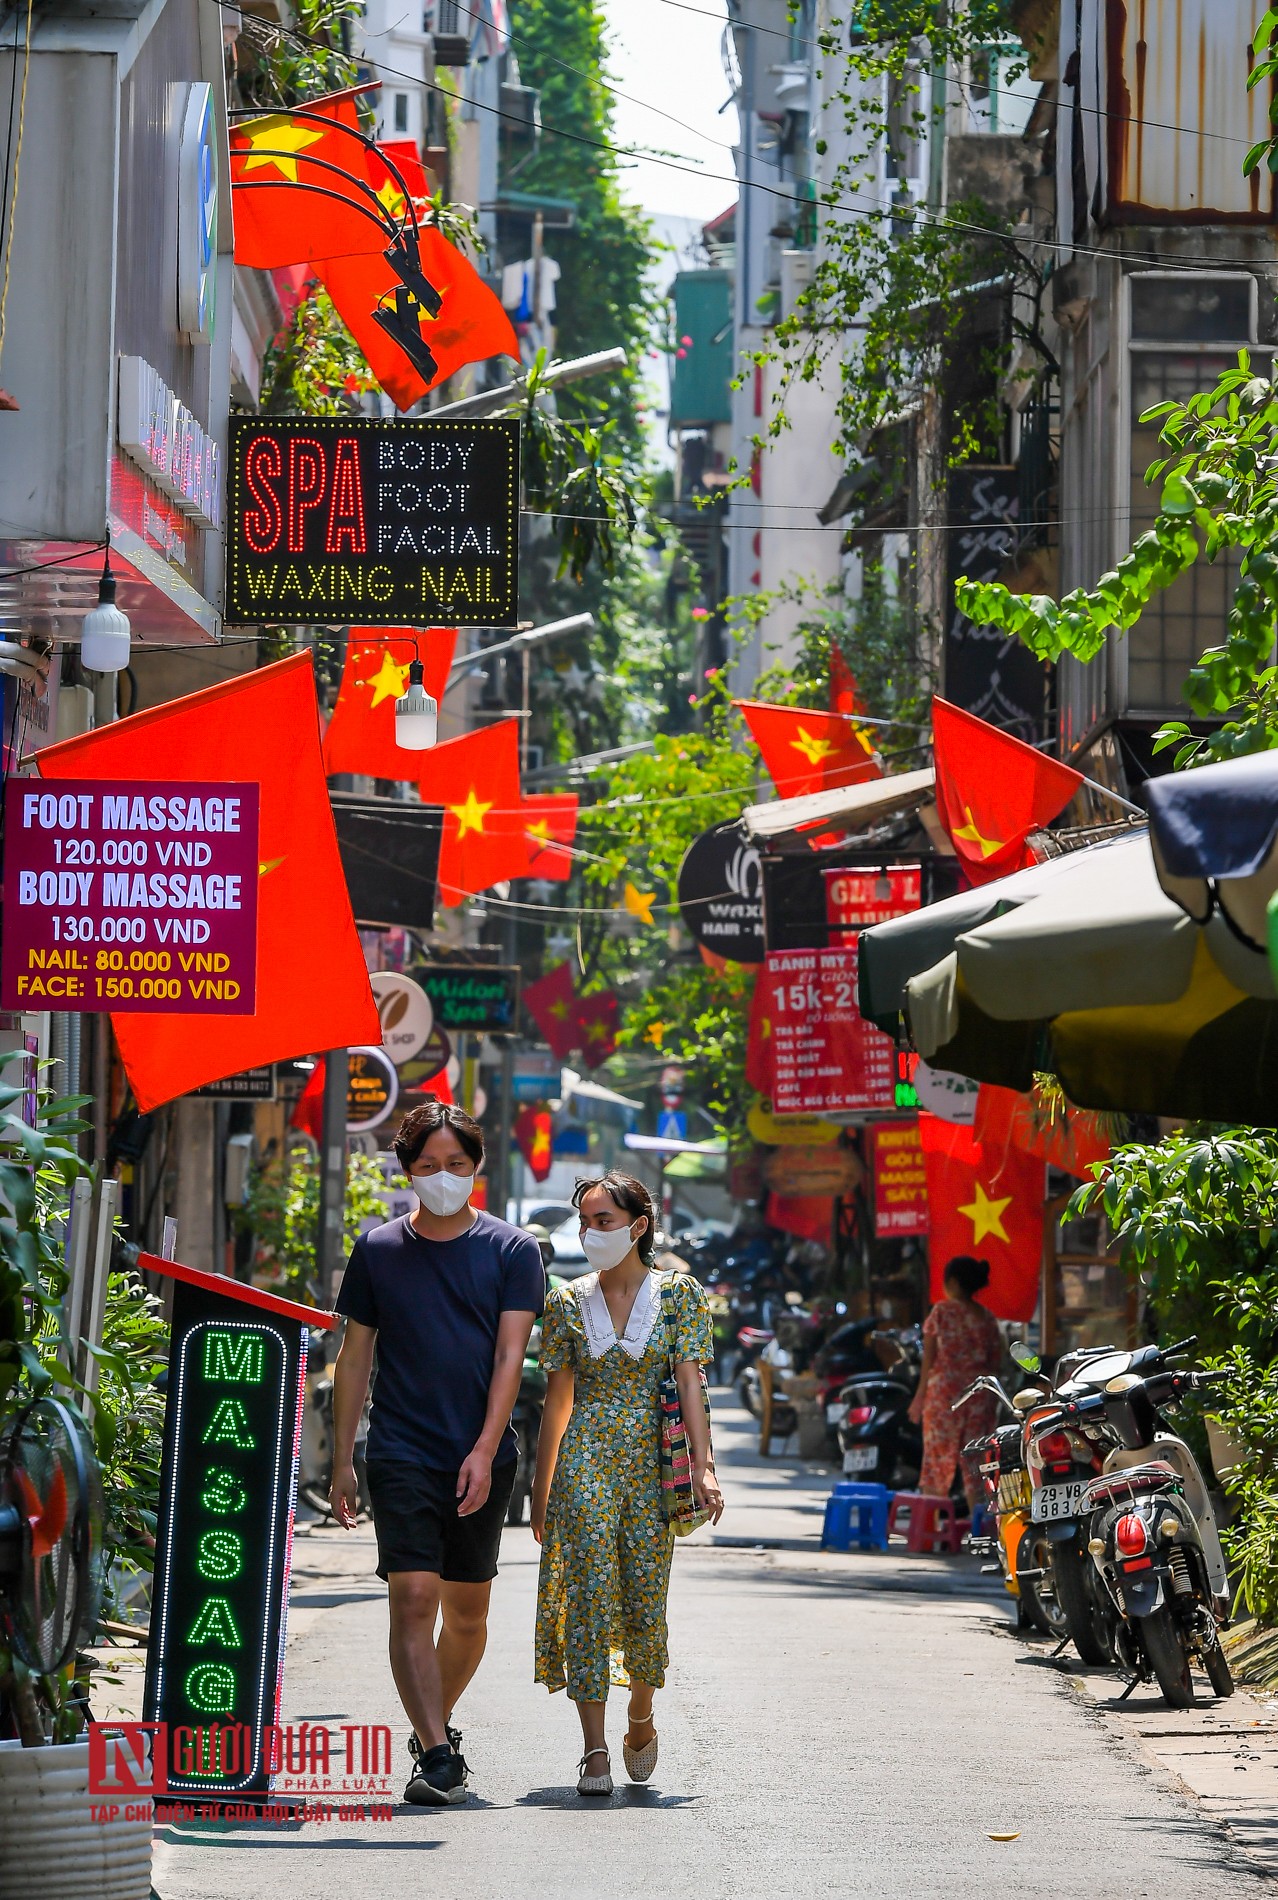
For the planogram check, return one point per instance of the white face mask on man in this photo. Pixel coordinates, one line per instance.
(606, 1247)
(443, 1193)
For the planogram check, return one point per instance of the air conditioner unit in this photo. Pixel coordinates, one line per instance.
(796, 275)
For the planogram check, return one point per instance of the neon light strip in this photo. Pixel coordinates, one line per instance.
(292, 1514)
(199, 1327)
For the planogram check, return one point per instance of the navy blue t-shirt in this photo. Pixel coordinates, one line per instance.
(436, 1306)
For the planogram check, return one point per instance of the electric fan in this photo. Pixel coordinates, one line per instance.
(51, 1567)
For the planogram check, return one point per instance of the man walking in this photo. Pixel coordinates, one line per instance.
(448, 1297)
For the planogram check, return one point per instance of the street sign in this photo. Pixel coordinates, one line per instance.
(672, 1125)
(823, 1057)
(137, 897)
(388, 523)
(482, 999)
(720, 893)
(407, 1017)
(372, 1089)
(232, 1425)
(900, 1179)
(827, 1169)
(250, 1085)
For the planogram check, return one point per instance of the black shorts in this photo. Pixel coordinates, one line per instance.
(415, 1517)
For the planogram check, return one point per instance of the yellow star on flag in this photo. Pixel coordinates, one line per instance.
(390, 680)
(655, 1033)
(597, 1031)
(274, 141)
(813, 748)
(986, 1216)
(271, 864)
(558, 1010)
(639, 903)
(470, 814)
(540, 830)
(391, 197)
(969, 833)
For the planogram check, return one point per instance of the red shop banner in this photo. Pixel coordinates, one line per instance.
(822, 1057)
(900, 1179)
(856, 899)
(138, 897)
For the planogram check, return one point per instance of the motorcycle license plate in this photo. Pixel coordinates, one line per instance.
(861, 1458)
(1052, 1501)
(835, 1414)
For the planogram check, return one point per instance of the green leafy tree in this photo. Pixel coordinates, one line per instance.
(282, 1211)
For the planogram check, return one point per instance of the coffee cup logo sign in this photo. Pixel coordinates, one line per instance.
(406, 523)
(406, 1014)
(372, 1089)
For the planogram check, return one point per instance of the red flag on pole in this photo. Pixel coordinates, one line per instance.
(596, 1026)
(470, 327)
(476, 780)
(361, 732)
(808, 751)
(261, 727)
(534, 1132)
(988, 1203)
(551, 1002)
(297, 186)
(843, 694)
(549, 822)
(992, 790)
(1070, 1139)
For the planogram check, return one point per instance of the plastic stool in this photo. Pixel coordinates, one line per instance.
(927, 1524)
(984, 1521)
(856, 1515)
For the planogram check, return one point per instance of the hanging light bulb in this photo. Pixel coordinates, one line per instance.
(416, 714)
(104, 632)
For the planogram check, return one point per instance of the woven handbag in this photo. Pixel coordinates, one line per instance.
(678, 1500)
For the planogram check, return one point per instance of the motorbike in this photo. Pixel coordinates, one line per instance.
(1153, 1541)
(877, 1438)
(1021, 1549)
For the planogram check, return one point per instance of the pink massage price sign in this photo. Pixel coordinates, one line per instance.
(130, 896)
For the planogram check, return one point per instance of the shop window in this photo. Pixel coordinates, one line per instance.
(401, 112)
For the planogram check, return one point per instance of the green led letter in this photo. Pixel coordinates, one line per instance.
(215, 1624)
(219, 1555)
(229, 1426)
(210, 1687)
(234, 1357)
(223, 1493)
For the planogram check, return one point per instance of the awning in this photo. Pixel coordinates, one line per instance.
(1215, 838)
(661, 1145)
(846, 806)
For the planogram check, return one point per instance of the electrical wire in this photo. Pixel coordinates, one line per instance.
(17, 162)
(869, 212)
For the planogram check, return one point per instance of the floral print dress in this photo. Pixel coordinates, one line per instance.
(968, 1343)
(605, 1558)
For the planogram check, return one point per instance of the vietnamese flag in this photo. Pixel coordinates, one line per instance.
(261, 727)
(987, 1202)
(808, 751)
(992, 790)
(361, 730)
(844, 699)
(758, 1057)
(596, 1026)
(471, 325)
(551, 1002)
(476, 780)
(534, 1133)
(549, 824)
(279, 175)
(1070, 1138)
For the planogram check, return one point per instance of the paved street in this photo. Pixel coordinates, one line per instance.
(853, 1725)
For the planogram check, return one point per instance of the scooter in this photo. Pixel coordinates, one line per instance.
(877, 1437)
(1153, 1537)
(1021, 1550)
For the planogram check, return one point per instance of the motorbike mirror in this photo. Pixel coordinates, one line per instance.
(1123, 1383)
(1028, 1361)
(1026, 1401)
(793, 1299)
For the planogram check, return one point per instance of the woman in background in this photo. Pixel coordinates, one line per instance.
(961, 1341)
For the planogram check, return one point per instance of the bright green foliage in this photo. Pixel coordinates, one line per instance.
(38, 1163)
(1264, 68)
(656, 804)
(314, 367)
(1220, 491)
(282, 68)
(128, 1423)
(1197, 1216)
(282, 1211)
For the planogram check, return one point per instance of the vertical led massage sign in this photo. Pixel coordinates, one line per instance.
(232, 1434)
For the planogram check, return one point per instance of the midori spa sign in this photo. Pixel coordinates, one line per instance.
(387, 523)
(130, 897)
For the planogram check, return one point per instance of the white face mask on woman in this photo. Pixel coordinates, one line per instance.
(606, 1247)
(443, 1193)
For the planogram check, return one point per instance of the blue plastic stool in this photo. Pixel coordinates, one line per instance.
(984, 1521)
(856, 1517)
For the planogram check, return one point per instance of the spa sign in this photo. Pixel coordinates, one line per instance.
(398, 523)
(133, 896)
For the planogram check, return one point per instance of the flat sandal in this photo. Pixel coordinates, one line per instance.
(594, 1784)
(640, 1762)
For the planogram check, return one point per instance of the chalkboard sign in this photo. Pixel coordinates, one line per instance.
(225, 1530)
(410, 522)
(483, 1000)
(988, 672)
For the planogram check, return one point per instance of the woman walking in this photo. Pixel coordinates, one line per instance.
(608, 1340)
(961, 1341)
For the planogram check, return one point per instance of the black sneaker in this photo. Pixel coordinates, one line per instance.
(438, 1780)
(454, 1742)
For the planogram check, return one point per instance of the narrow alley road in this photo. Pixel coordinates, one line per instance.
(852, 1725)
